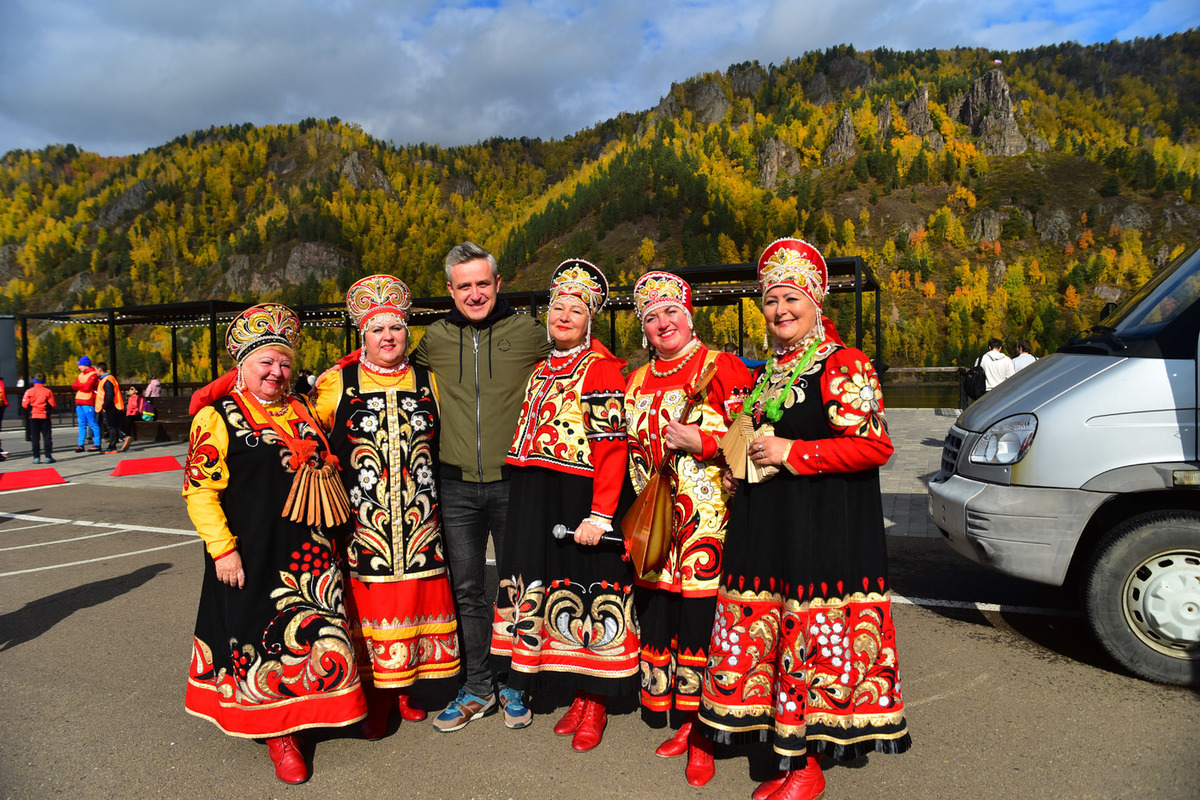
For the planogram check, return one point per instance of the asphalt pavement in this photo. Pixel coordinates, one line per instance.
(1007, 695)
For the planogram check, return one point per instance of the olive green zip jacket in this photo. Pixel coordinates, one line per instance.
(481, 373)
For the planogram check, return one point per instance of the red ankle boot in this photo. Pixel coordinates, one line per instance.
(803, 784)
(289, 762)
(677, 745)
(591, 727)
(700, 766)
(410, 709)
(769, 787)
(570, 720)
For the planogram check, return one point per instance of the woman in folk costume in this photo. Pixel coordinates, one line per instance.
(803, 653)
(675, 602)
(564, 614)
(382, 417)
(272, 652)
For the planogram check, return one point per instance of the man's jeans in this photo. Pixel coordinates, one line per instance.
(469, 511)
(86, 417)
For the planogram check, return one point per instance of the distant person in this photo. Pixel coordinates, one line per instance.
(110, 403)
(134, 405)
(3, 403)
(85, 406)
(997, 367)
(481, 356)
(39, 401)
(1024, 356)
(153, 388)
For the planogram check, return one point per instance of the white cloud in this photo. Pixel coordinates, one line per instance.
(118, 76)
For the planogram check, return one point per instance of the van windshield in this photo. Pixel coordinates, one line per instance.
(1162, 298)
(1149, 312)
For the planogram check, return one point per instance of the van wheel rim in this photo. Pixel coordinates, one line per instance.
(1162, 603)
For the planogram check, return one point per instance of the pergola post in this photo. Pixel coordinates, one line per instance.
(112, 341)
(741, 330)
(858, 331)
(25, 349)
(212, 337)
(174, 361)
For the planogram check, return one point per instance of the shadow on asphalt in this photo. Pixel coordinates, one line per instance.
(38, 616)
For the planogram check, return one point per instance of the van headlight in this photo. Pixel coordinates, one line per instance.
(1005, 442)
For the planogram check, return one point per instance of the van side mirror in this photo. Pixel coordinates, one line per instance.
(1107, 309)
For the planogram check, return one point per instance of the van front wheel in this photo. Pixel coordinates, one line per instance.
(1143, 596)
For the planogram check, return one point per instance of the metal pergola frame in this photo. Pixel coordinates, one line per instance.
(720, 285)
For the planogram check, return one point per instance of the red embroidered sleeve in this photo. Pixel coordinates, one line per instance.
(726, 393)
(854, 409)
(603, 402)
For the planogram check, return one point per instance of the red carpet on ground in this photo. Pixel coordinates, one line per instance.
(30, 478)
(140, 466)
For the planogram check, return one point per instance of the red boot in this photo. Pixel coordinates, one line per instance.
(803, 784)
(768, 787)
(410, 709)
(700, 768)
(677, 745)
(289, 762)
(570, 720)
(591, 727)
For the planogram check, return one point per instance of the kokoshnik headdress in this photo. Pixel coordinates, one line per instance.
(582, 280)
(657, 289)
(797, 263)
(375, 295)
(263, 325)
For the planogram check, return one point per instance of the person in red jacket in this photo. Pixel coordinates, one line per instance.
(39, 401)
(85, 405)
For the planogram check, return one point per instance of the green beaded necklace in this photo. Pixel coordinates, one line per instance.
(774, 406)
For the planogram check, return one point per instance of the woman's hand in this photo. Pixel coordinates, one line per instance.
(728, 481)
(678, 436)
(587, 532)
(229, 570)
(769, 451)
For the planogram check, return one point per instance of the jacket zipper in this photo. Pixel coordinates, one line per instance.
(478, 410)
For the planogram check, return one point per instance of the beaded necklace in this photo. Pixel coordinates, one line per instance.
(371, 366)
(773, 407)
(263, 404)
(691, 348)
(579, 348)
(573, 357)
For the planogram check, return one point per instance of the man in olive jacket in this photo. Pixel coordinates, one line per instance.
(481, 355)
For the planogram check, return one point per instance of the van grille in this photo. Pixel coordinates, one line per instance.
(950, 450)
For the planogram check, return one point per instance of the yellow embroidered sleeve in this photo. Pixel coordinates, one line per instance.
(205, 477)
(326, 397)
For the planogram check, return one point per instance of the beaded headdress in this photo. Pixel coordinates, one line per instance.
(582, 280)
(796, 263)
(378, 294)
(263, 325)
(656, 289)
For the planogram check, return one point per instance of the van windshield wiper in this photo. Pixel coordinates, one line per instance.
(1098, 334)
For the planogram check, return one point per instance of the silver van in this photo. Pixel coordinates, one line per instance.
(1084, 467)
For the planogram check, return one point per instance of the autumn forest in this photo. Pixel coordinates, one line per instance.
(1005, 194)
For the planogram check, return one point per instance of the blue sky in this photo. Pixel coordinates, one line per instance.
(120, 76)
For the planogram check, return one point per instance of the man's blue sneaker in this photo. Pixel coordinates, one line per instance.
(516, 713)
(463, 709)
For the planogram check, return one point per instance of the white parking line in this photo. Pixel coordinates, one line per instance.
(64, 541)
(89, 524)
(110, 528)
(94, 560)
